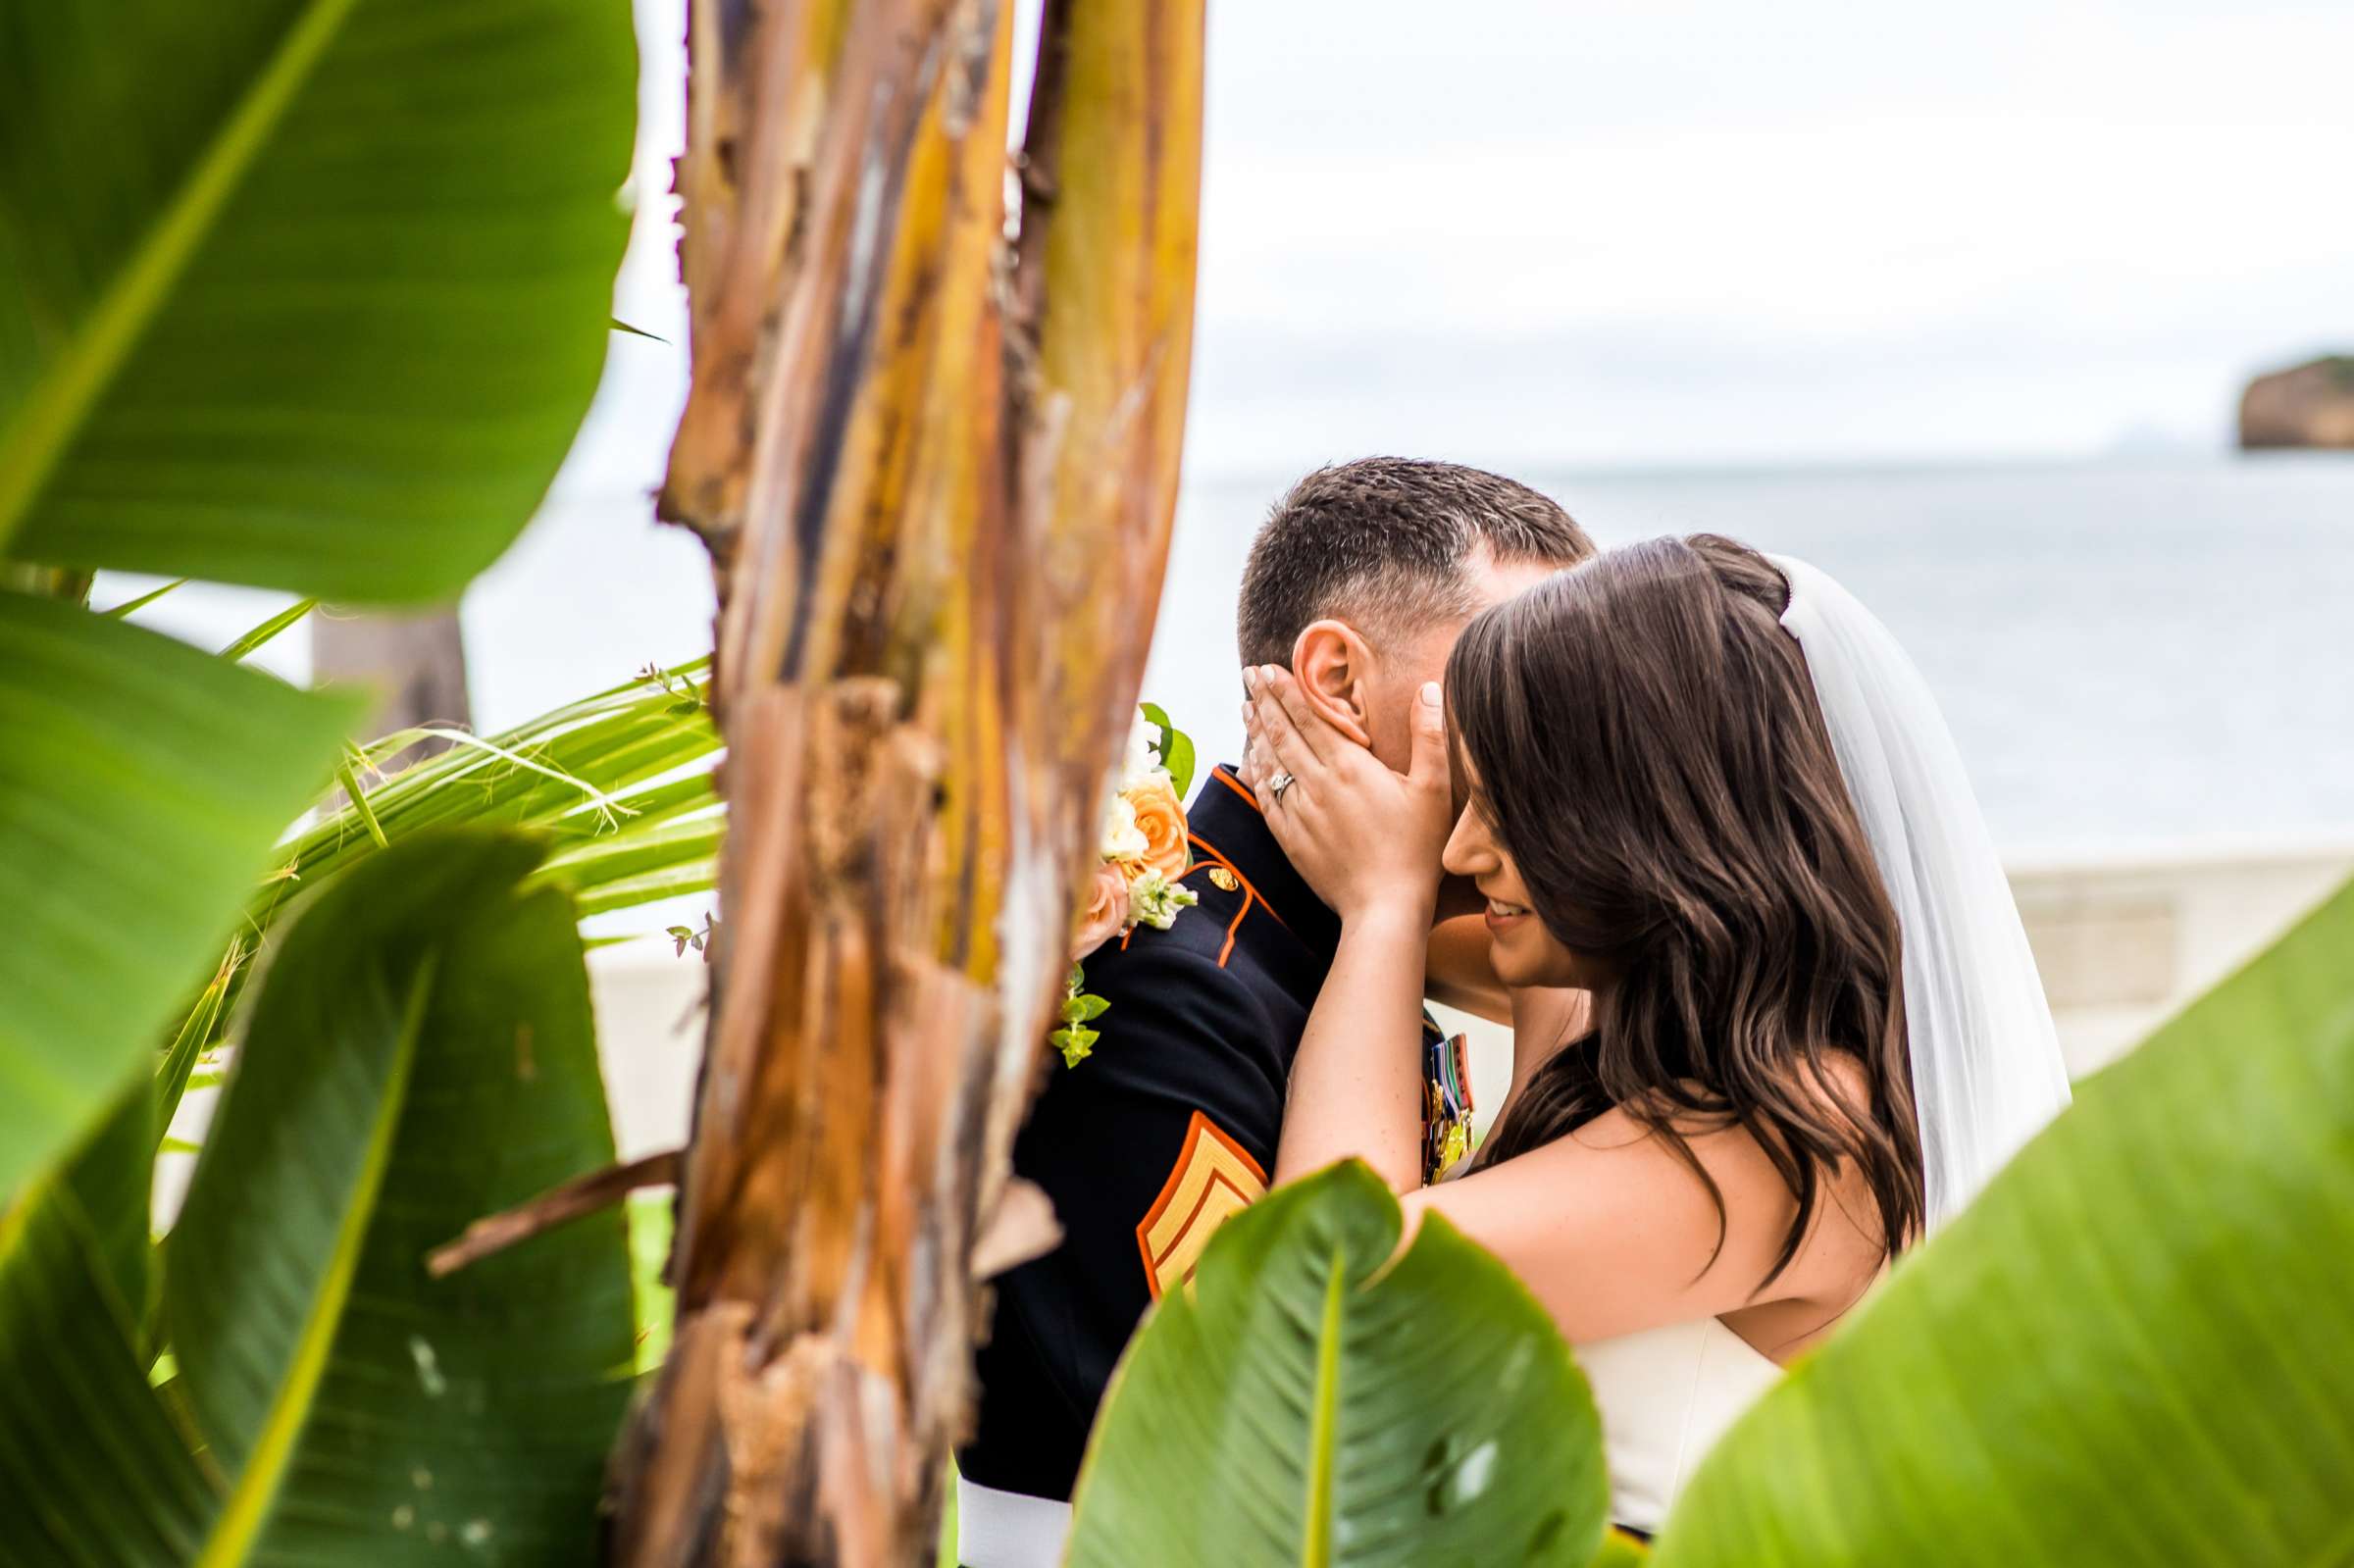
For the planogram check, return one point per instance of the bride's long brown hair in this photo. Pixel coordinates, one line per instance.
(1646, 744)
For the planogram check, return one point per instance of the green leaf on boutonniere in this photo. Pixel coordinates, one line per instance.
(1176, 747)
(1076, 1041)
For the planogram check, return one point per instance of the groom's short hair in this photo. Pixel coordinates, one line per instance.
(1382, 542)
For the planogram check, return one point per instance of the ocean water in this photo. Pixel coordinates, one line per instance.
(2130, 654)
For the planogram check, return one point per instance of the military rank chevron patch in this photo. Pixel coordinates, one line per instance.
(1214, 1180)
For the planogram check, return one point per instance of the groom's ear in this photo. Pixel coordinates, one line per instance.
(1334, 667)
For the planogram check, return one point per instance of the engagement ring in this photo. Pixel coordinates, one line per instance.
(1279, 784)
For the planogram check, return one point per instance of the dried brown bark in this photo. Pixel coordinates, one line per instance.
(936, 468)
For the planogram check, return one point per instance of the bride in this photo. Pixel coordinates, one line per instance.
(1774, 1017)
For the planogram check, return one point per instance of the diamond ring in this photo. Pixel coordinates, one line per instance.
(1279, 784)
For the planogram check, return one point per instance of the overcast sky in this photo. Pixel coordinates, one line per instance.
(1642, 232)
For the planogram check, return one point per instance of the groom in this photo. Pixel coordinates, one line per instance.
(1359, 581)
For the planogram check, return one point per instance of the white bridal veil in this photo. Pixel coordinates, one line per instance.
(1986, 1066)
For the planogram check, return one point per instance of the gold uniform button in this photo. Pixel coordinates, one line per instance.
(1222, 878)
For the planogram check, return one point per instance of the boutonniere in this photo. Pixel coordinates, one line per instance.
(1143, 854)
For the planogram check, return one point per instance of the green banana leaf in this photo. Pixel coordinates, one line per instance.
(2137, 1346)
(421, 1053)
(1311, 1401)
(141, 783)
(650, 1224)
(111, 1174)
(94, 1468)
(304, 293)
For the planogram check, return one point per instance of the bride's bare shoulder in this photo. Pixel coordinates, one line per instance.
(1841, 1251)
(1844, 1248)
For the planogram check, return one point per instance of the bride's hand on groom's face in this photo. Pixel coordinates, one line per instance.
(1367, 839)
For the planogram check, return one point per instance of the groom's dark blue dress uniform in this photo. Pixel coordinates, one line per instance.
(1152, 1141)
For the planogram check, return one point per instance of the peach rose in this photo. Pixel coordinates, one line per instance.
(1106, 913)
(1161, 816)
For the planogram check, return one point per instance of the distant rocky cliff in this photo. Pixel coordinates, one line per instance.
(2312, 405)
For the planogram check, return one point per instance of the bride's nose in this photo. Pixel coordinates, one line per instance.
(1471, 851)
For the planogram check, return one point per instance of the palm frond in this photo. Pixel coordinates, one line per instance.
(610, 777)
(622, 781)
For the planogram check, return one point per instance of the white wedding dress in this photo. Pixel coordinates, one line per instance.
(1666, 1397)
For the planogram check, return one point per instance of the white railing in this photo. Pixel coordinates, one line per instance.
(2123, 940)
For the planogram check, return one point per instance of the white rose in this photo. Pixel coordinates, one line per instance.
(1143, 753)
(1123, 839)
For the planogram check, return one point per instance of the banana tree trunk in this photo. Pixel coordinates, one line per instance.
(933, 447)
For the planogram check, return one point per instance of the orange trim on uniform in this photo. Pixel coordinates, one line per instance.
(1235, 784)
(1214, 1179)
(1235, 925)
(1250, 892)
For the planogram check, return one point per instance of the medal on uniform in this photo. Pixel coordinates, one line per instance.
(1446, 1102)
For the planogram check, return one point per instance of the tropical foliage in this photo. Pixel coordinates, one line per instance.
(332, 1401)
(133, 827)
(932, 440)
(618, 790)
(305, 295)
(620, 784)
(311, 295)
(2133, 1348)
